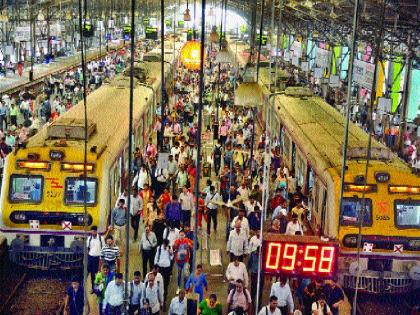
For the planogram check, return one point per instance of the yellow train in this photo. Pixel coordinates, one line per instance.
(43, 190)
(310, 134)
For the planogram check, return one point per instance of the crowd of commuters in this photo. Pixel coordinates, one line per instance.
(23, 115)
(163, 209)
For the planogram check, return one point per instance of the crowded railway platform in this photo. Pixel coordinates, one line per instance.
(203, 166)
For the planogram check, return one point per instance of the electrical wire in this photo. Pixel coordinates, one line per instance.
(82, 23)
(368, 158)
(130, 148)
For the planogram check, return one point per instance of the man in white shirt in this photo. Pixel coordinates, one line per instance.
(171, 233)
(236, 270)
(244, 222)
(136, 204)
(250, 205)
(294, 227)
(154, 294)
(114, 295)
(212, 197)
(281, 290)
(187, 204)
(271, 309)
(254, 243)
(243, 191)
(157, 278)
(178, 304)
(237, 245)
(136, 288)
(148, 243)
(94, 244)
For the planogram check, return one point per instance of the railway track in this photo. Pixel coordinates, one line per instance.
(31, 293)
(385, 305)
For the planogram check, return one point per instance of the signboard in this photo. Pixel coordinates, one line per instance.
(87, 30)
(334, 81)
(304, 256)
(263, 40)
(127, 29)
(318, 73)
(23, 34)
(55, 29)
(363, 73)
(146, 21)
(191, 34)
(295, 61)
(384, 105)
(297, 49)
(304, 66)
(323, 58)
(111, 23)
(151, 33)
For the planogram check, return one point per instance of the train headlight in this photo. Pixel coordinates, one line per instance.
(414, 244)
(81, 219)
(350, 241)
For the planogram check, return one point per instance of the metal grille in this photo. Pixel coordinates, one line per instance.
(47, 260)
(375, 284)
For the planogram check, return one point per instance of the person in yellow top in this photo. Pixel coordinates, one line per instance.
(300, 211)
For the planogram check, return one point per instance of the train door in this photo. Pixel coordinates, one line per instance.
(324, 211)
(293, 164)
(309, 180)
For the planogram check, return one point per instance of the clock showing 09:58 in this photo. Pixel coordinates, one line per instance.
(299, 256)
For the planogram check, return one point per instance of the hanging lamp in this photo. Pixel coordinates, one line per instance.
(187, 16)
(214, 36)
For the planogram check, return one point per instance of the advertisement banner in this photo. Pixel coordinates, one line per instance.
(297, 49)
(363, 73)
(23, 34)
(323, 58)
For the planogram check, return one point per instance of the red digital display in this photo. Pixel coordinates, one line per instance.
(300, 258)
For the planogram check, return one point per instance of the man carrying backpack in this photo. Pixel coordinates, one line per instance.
(182, 249)
(320, 307)
(153, 294)
(239, 299)
(217, 157)
(95, 242)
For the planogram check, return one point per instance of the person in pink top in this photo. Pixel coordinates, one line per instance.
(223, 132)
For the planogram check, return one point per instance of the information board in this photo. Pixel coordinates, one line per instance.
(363, 73)
(151, 33)
(22, 34)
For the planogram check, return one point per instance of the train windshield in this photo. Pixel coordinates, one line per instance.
(407, 213)
(75, 191)
(351, 211)
(26, 188)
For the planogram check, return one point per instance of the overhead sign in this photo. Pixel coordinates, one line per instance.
(55, 29)
(323, 58)
(23, 34)
(304, 66)
(151, 33)
(263, 40)
(334, 81)
(363, 73)
(299, 256)
(146, 21)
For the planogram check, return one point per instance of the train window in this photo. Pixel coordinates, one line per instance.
(26, 188)
(351, 210)
(407, 213)
(300, 170)
(75, 191)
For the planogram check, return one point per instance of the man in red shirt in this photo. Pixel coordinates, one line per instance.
(182, 249)
(277, 200)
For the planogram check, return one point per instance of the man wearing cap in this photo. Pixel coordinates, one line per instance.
(94, 244)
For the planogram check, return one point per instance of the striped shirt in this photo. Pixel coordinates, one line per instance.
(109, 253)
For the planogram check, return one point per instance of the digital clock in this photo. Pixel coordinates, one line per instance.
(299, 256)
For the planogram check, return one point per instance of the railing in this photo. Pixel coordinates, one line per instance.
(376, 284)
(46, 258)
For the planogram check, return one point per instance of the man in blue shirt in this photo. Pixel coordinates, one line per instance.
(335, 295)
(173, 212)
(75, 298)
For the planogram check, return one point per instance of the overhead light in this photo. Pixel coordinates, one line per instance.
(33, 165)
(214, 36)
(76, 167)
(404, 189)
(190, 55)
(187, 16)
